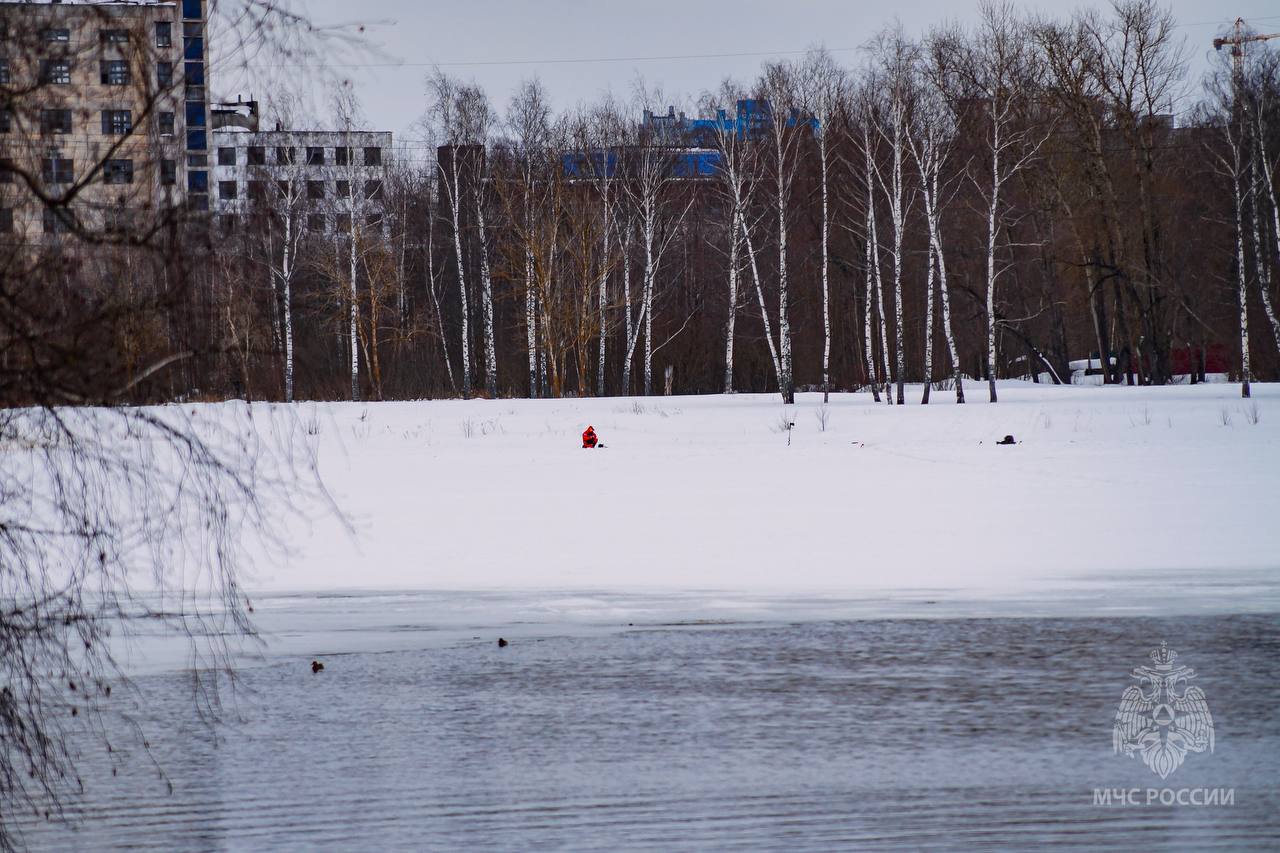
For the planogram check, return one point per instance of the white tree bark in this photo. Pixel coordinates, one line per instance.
(286, 287)
(355, 311)
(870, 349)
(603, 284)
(785, 377)
(1245, 372)
(1259, 244)
(764, 310)
(935, 241)
(486, 292)
(873, 175)
(735, 244)
(826, 253)
(993, 204)
(898, 217)
(452, 191)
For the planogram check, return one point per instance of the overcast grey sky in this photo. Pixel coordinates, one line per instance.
(498, 43)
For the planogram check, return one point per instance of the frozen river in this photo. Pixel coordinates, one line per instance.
(692, 721)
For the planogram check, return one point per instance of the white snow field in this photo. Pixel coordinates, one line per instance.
(1171, 485)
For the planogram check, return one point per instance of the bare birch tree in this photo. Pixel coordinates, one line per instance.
(777, 85)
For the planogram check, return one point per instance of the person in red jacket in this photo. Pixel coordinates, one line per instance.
(589, 438)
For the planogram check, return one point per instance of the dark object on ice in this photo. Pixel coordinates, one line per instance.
(1008, 439)
(589, 439)
(502, 644)
(316, 666)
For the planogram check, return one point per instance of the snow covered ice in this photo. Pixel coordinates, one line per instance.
(704, 493)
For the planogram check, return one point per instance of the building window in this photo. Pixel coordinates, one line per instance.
(284, 156)
(117, 122)
(315, 190)
(168, 172)
(55, 121)
(227, 190)
(191, 9)
(373, 189)
(57, 170)
(55, 71)
(315, 222)
(342, 156)
(60, 35)
(117, 172)
(114, 72)
(164, 74)
(257, 190)
(113, 36)
(315, 156)
(195, 115)
(344, 189)
(197, 140)
(257, 155)
(57, 220)
(374, 220)
(6, 220)
(192, 48)
(194, 93)
(6, 120)
(226, 156)
(194, 72)
(344, 222)
(6, 170)
(166, 124)
(373, 156)
(198, 182)
(164, 34)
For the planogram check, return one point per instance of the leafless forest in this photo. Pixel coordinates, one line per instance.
(985, 202)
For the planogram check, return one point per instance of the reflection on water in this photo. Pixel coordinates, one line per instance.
(940, 733)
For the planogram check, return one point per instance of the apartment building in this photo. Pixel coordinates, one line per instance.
(324, 177)
(104, 116)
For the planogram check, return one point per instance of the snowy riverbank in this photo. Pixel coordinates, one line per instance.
(704, 493)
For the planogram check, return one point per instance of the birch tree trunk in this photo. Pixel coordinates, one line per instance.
(531, 322)
(992, 208)
(355, 316)
(870, 347)
(826, 291)
(764, 311)
(1245, 373)
(629, 330)
(454, 207)
(604, 287)
(935, 238)
(286, 286)
(928, 326)
(1259, 244)
(735, 242)
(785, 378)
(899, 223)
(486, 295)
(649, 273)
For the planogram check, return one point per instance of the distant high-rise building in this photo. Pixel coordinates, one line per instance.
(103, 113)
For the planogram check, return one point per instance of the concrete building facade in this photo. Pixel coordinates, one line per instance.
(103, 113)
(324, 176)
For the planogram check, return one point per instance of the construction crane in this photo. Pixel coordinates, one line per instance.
(1238, 42)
